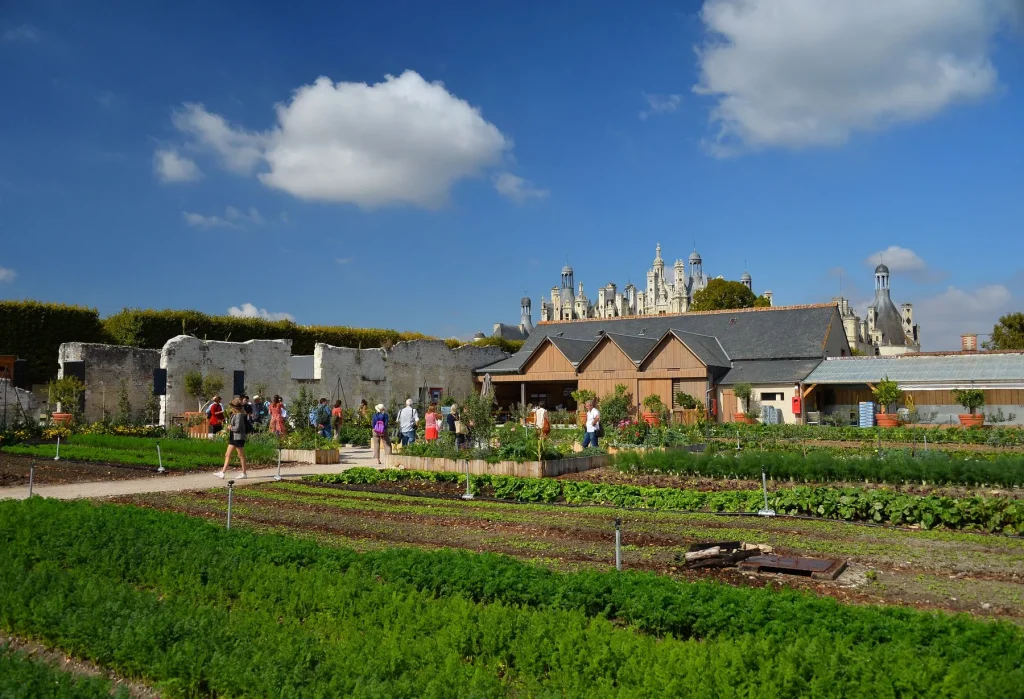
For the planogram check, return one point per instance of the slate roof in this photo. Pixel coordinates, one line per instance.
(573, 349)
(719, 338)
(510, 332)
(949, 369)
(769, 371)
(635, 347)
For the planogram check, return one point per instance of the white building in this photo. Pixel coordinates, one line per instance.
(886, 331)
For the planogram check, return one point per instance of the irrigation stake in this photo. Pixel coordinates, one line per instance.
(618, 543)
(159, 458)
(31, 477)
(231, 491)
(767, 511)
(278, 476)
(469, 493)
(57, 458)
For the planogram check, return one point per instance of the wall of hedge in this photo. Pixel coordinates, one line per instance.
(34, 330)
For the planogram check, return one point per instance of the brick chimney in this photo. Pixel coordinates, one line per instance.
(969, 343)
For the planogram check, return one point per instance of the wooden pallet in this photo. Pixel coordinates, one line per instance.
(815, 568)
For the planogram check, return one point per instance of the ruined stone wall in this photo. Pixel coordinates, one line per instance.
(16, 405)
(263, 361)
(106, 368)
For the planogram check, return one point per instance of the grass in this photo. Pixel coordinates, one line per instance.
(175, 454)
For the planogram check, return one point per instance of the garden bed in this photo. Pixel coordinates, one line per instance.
(312, 456)
(479, 467)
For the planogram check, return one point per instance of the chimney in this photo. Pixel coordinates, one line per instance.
(969, 343)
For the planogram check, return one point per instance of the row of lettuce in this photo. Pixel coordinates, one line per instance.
(197, 610)
(880, 506)
(890, 467)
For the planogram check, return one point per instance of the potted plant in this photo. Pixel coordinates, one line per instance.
(581, 397)
(743, 391)
(200, 389)
(66, 391)
(887, 393)
(654, 408)
(971, 399)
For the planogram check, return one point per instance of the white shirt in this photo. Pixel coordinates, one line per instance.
(538, 417)
(407, 419)
(593, 417)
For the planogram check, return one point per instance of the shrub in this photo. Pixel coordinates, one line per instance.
(686, 401)
(887, 393)
(35, 331)
(970, 398)
(617, 407)
(743, 391)
(67, 391)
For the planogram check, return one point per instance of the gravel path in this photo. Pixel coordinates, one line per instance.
(350, 458)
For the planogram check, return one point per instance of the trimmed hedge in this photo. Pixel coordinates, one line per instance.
(34, 330)
(151, 329)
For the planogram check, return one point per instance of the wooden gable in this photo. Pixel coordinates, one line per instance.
(548, 359)
(607, 357)
(672, 355)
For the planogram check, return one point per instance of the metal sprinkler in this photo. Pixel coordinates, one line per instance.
(618, 543)
(159, 459)
(57, 457)
(767, 511)
(231, 492)
(468, 495)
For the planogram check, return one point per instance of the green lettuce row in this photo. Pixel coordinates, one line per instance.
(202, 610)
(896, 468)
(992, 514)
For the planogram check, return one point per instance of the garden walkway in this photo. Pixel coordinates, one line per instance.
(350, 458)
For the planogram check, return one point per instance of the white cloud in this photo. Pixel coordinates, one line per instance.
(795, 73)
(402, 140)
(171, 167)
(660, 104)
(7, 275)
(944, 317)
(232, 218)
(517, 189)
(239, 150)
(248, 310)
(897, 259)
(26, 32)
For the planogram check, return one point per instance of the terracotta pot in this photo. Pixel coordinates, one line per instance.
(62, 418)
(652, 419)
(887, 420)
(582, 417)
(740, 417)
(976, 420)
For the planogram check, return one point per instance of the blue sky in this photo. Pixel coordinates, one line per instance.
(217, 155)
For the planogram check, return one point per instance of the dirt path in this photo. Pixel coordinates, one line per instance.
(149, 483)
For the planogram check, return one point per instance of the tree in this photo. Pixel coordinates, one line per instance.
(970, 398)
(1007, 334)
(721, 294)
(886, 393)
(762, 302)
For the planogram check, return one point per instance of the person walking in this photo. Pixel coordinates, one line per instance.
(430, 424)
(593, 425)
(408, 418)
(456, 426)
(337, 417)
(543, 424)
(277, 416)
(216, 413)
(323, 418)
(379, 430)
(237, 432)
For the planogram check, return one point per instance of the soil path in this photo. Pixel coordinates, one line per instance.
(351, 457)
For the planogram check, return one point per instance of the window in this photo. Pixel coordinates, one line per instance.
(772, 396)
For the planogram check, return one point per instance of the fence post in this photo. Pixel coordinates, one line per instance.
(231, 491)
(618, 543)
(278, 476)
(159, 458)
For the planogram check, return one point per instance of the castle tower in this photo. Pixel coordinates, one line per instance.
(746, 280)
(696, 268)
(567, 279)
(525, 318)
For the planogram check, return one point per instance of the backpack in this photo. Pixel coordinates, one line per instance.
(379, 428)
(312, 417)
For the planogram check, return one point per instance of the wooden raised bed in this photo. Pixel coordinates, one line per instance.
(478, 467)
(312, 456)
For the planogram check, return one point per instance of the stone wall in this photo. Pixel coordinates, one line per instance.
(16, 405)
(106, 367)
(263, 361)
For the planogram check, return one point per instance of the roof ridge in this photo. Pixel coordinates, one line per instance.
(752, 309)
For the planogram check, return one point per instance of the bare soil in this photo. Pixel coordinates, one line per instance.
(953, 571)
(14, 471)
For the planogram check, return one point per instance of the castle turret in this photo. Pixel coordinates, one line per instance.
(525, 318)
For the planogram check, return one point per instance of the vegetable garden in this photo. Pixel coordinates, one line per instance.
(196, 610)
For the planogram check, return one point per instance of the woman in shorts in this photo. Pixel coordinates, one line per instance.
(237, 432)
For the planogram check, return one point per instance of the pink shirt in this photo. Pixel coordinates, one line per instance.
(431, 420)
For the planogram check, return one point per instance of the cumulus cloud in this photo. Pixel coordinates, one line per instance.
(517, 189)
(402, 140)
(7, 275)
(794, 73)
(171, 167)
(944, 317)
(232, 218)
(897, 259)
(248, 310)
(25, 32)
(660, 104)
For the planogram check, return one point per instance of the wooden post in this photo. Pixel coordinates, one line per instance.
(522, 395)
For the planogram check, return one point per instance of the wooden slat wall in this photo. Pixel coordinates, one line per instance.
(604, 386)
(548, 360)
(672, 354)
(728, 405)
(607, 357)
(695, 387)
(851, 396)
(662, 387)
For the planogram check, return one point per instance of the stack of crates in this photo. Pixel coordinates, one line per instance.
(867, 414)
(769, 415)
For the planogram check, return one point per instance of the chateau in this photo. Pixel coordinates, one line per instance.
(886, 331)
(665, 293)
